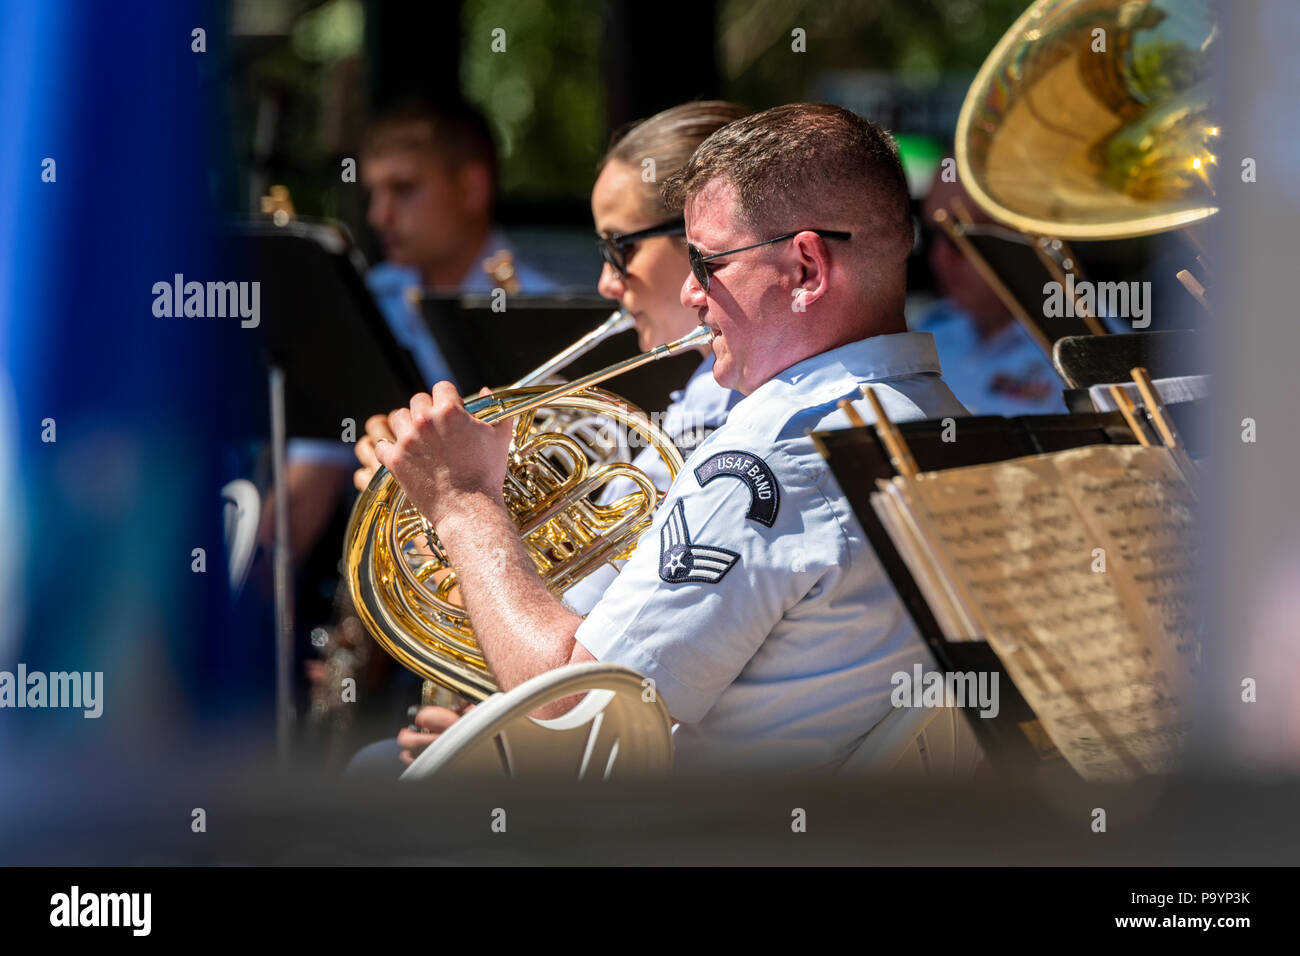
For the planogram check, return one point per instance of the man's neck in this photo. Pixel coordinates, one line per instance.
(451, 272)
(890, 326)
(849, 335)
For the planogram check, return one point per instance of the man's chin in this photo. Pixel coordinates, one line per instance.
(722, 373)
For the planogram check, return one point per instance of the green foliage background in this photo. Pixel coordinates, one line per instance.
(545, 96)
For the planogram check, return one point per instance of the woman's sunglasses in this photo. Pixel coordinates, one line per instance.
(614, 248)
(698, 259)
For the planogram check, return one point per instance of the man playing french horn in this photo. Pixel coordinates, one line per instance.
(643, 251)
(755, 603)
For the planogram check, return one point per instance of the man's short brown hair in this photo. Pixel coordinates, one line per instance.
(804, 166)
(452, 130)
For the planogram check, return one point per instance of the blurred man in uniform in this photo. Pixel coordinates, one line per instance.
(431, 172)
(989, 361)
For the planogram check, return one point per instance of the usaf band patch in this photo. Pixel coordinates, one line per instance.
(764, 493)
(680, 561)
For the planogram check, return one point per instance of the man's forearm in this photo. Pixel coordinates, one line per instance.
(523, 629)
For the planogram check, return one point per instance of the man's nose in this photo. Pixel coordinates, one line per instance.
(610, 283)
(693, 295)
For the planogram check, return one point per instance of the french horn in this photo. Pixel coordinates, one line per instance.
(588, 429)
(403, 585)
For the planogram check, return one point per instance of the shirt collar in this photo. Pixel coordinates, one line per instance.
(871, 359)
(391, 279)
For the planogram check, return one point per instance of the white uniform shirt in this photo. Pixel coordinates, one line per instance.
(755, 602)
(697, 409)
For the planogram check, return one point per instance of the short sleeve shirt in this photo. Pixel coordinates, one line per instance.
(755, 602)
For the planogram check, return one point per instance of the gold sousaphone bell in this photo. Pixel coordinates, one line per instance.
(402, 583)
(1093, 119)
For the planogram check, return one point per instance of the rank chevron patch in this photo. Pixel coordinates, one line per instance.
(680, 561)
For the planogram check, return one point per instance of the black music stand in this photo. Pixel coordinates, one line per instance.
(330, 355)
(857, 458)
(495, 348)
(1087, 360)
(322, 327)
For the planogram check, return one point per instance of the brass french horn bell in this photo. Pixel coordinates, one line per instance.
(1093, 119)
(404, 586)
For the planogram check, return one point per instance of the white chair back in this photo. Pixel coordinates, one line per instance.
(618, 730)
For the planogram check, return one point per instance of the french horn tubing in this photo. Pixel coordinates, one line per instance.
(403, 585)
(619, 321)
(586, 428)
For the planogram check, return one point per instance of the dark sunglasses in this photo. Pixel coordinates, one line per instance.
(701, 271)
(614, 248)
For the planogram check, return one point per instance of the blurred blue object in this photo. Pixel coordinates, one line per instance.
(123, 421)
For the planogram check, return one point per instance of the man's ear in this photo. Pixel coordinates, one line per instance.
(475, 184)
(814, 268)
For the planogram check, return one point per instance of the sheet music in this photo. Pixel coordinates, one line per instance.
(1104, 658)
